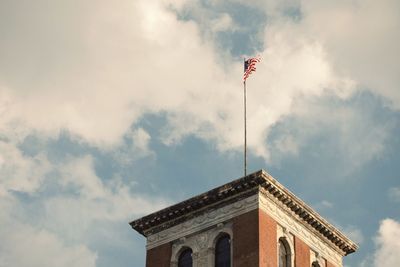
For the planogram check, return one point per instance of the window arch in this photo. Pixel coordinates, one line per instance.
(315, 264)
(185, 258)
(284, 253)
(223, 251)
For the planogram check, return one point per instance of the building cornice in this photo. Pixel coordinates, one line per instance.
(192, 207)
(236, 190)
(309, 217)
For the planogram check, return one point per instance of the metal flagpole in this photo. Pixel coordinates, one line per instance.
(245, 129)
(249, 67)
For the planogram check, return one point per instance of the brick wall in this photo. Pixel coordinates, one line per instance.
(159, 256)
(328, 264)
(245, 240)
(254, 241)
(268, 244)
(254, 244)
(302, 258)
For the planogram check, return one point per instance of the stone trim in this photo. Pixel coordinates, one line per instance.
(306, 215)
(204, 221)
(202, 245)
(282, 232)
(180, 212)
(316, 257)
(296, 227)
(195, 232)
(235, 191)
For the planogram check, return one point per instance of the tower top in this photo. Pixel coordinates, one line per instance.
(259, 182)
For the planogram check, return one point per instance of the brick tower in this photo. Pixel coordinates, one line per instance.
(249, 222)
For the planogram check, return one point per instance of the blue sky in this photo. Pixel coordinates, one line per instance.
(111, 111)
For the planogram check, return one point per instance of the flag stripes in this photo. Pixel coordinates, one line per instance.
(250, 66)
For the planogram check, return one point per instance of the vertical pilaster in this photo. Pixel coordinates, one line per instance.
(246, 239)
(159, 256)
(268, 236)
(302, 251)
(328, 264)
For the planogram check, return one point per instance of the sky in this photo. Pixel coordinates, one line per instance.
(113, 110)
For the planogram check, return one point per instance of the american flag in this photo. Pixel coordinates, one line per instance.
(250, 66)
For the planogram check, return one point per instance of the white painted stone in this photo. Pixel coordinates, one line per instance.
(201, 233)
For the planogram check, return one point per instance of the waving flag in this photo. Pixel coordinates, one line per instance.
(250, 66)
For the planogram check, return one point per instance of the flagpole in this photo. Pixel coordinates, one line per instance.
(249, 67)
(245, 128)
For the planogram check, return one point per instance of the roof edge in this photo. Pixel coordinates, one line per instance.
(308, 215)
(197, 202)
(237, 189)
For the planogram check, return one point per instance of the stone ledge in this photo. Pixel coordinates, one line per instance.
(237, 190)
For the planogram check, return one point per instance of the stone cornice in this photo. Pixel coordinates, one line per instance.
(310, 218)
(294, 225)
(208, 220)
(234, 191)
(185, 210)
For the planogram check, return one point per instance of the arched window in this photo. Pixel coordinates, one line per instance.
(284, 253)
(185, 259)
(223, 251)
(315, 264)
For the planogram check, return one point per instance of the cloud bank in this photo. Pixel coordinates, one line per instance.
(388, 242)
(95, 81)
(94, 70)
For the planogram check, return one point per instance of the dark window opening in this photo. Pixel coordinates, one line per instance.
(185, 259)
(223, 251)
(284, 253)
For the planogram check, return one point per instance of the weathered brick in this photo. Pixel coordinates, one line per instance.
(328, 264)
(302, 257)
(268, 245)
(246, 240)
(159, 256)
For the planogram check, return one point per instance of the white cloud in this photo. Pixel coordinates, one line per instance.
(26, 245)
(332, 48)
(286, 144)
(92, 201)
(95, 68)
(79, 173)
(138, 58)
(223, 23)
(388, 242)
(121, 62)
(55, 229)
(293, 66)
(362, 39)
(136, 147)
(140, 139)
(23, 245)
(394, 194)
(113, 200)
(353, 135)
(122, 74)
(21, 173)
